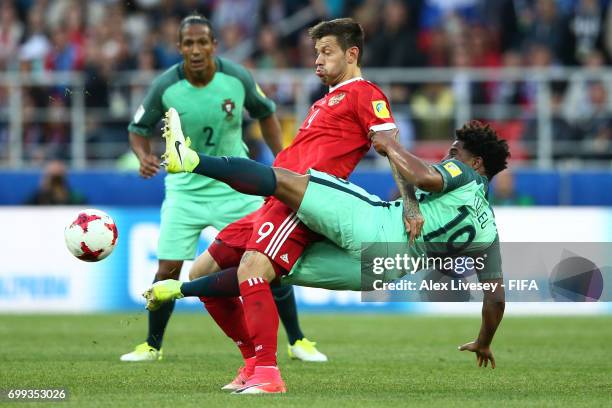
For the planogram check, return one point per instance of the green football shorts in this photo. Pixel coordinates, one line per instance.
(183, 220)
(348, 217)
(325, 265)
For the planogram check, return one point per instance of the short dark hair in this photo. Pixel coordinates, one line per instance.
(480, 139)
(194, 19)
(347, 31)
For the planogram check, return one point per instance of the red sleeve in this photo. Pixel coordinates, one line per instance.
(373, 109)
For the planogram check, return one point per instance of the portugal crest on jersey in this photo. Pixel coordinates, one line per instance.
(228, 107)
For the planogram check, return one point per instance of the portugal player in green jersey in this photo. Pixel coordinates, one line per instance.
(209, 93)
(453, 201)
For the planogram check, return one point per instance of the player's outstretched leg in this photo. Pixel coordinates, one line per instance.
(260, 375)
(227, 311)
(225, 284)
(219, 292)
(243, 175)
(219, 284)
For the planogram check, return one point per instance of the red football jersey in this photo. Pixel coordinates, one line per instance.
(334, 135)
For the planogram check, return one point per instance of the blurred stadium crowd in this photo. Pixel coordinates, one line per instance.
(103, 38)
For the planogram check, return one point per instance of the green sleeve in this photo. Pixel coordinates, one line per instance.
(256, 102)
(455, 174)
(151, 111)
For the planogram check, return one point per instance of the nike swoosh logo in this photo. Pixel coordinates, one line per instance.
(176, 146)
(250, 386)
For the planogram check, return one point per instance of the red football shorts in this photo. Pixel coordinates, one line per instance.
(274, 230)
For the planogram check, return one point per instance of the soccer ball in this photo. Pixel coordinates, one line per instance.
(91, 235)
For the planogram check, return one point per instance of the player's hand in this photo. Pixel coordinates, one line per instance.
(413, 221)
(149, 166)
(483, 353)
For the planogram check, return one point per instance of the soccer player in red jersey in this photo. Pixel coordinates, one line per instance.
(333, 138)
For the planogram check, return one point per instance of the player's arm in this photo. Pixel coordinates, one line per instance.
(141, 128)
(271, 132)
(141, 146)
(493, 306)
(373, 113)
(414, 170)
(413, 219)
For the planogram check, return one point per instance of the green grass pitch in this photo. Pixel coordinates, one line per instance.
(375, 361)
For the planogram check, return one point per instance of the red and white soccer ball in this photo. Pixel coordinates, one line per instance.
(91, 235)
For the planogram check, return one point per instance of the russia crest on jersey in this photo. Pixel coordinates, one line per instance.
(336, 99)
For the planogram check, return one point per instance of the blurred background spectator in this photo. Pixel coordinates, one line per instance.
(54, 188)
(595, 125)
(11, 31)
(112, 41)
(381, 48)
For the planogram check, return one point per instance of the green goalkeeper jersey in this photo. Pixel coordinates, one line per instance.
(211, 116)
